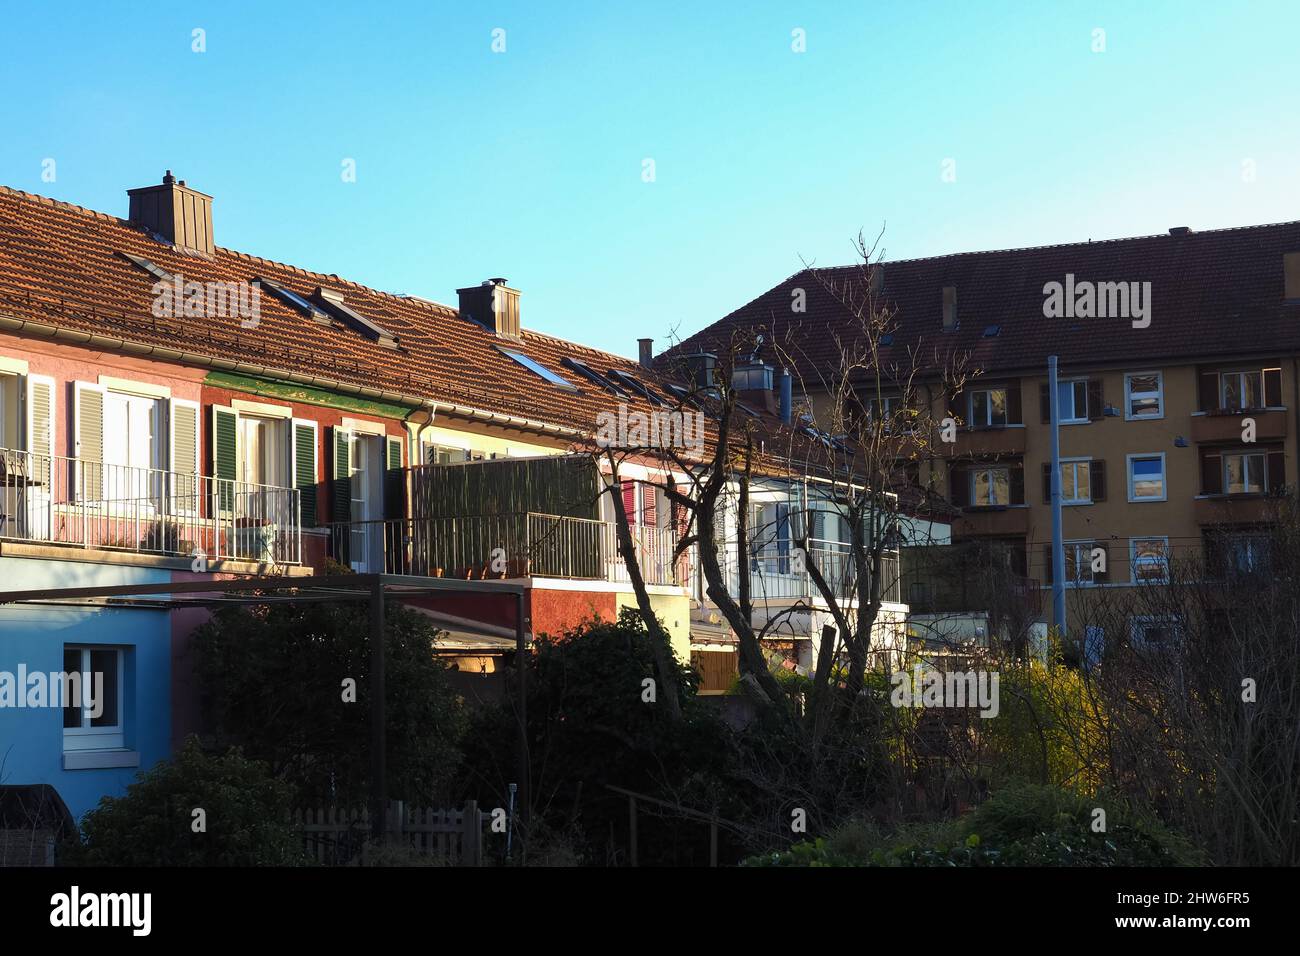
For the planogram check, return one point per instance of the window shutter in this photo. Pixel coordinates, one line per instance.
(1100, 577)
(183, 451)
(1016, 475)
(1048, 576)
(1276, 471)
(1272, 387)
(960, 480)
(304, 469)
(1047, 482)
(1209, 391)
(341, 483)
(1045, 402)
(89, 441)
(628, 490)
(1096, 401)
(394, 479)
(40, 428)
(1211, 475)
(225, 455)
(1097, 479)
(1015, 411)
(649, 513)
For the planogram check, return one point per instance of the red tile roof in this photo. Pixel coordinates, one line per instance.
(62, 265)
(1214, 294)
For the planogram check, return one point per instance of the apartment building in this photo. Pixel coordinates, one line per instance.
(1177, 386)
(173, 411)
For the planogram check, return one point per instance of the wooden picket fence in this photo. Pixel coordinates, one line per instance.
(336, 836)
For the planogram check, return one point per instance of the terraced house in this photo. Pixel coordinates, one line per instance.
(1179, 421)
(174, 411)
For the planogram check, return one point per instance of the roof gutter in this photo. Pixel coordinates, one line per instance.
(78, 337)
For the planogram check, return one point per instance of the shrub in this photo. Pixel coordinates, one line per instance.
(246, 817)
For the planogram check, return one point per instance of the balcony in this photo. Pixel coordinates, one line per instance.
(482, 547)
(1225, 426)
(50, 499)
(1236, 509)
(991, 522)
(778, 573)
(989, 442)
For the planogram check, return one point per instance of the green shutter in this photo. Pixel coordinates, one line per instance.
(304, 471)
(394, 480)
(225, 460)
(341, 493)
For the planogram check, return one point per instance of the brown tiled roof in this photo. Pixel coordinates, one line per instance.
(1214, 294)
(61, 265)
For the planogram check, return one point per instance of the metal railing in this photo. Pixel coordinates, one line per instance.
(504, 546)
(52, 499)
(778, 571)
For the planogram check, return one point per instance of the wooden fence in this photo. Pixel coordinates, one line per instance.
(337, 837)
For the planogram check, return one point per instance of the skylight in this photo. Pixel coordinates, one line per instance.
(292, 298)
(157, 272)
(538, 369)
(591, 375)
(331, 301)
(623, 378)
(683, 394)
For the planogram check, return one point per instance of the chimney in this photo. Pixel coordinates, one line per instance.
(949, 308)
(1291, 271)
(752, 381)
(787, 396)
(493, 305)
(646, 352)
(1179, 231)
(181, 215)
(699, 366)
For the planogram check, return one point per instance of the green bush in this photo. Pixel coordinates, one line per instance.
(272, 683)
(245, 815)
(1019, 825)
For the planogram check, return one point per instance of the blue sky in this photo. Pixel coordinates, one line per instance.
(529, 163)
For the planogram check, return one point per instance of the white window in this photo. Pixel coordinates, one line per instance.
(1150, 560)
(1144, 395)
(1076, 481)
(132, 448)
(1243, 473)
(990, 486)
(1146, 477)
(1241, 389)
(264, 451)
(988, 408)
(1072, 399)
(95, 721)
(1078, 562)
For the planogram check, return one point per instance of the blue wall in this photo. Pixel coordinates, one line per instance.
(31, 740)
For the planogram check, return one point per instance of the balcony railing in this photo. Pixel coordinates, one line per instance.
(50, 499)
(778, 572)
(504, 546)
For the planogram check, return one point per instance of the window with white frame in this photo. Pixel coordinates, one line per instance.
(988, 408)
(1153, 632)
(1150, 560)
(1244, 473)
(264, 459)
(1072, 400)
(1146, 477)
(1076, 481)
(1241, 389)
(990, 486)
(132, 446)
(95, 722)
(1144, 395)
(1078, 562)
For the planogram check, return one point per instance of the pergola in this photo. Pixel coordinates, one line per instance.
(372, 588)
